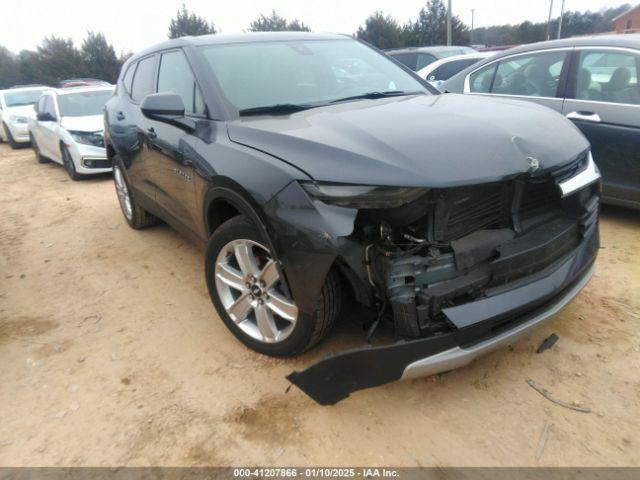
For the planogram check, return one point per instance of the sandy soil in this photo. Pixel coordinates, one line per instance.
(111, 354)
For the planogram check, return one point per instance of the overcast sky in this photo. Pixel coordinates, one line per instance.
(131, 25)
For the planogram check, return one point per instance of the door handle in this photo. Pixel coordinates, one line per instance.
(586, 116)
(151, 132)
(119, 116)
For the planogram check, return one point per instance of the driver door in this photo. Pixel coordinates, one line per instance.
(538, 77)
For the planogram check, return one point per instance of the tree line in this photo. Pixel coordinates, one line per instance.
(57, 58)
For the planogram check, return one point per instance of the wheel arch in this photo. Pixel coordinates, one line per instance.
(225, 200)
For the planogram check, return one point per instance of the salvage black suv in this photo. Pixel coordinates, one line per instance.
(317, 171)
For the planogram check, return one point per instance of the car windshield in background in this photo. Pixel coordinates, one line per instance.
(81, 104)
(17, 99)
(305, 73)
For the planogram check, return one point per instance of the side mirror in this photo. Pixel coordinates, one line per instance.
(159, 105)
(167, 108)
(45, 117)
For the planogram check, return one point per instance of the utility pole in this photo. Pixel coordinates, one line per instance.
(449, 24)
(473, 11)
(560, 21)
(548, 35)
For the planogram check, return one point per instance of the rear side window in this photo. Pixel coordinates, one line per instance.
(143, 79)
(608, 76)
(128, 77)
(175, 76)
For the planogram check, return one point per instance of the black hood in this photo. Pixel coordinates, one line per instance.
(433, 141)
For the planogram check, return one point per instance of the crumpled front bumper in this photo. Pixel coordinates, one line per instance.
(483, 325)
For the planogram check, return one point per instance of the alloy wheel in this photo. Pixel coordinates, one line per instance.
(249, 287)
(123, 193)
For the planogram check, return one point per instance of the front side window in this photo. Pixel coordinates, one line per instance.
(175, 76)
(82, 104)
(143, 79)
(536, 75)
(481, 80)
(303, 72)
(18, 99)
(49, 107)
(608, 76)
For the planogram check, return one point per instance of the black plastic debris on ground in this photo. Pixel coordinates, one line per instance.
(548, 342)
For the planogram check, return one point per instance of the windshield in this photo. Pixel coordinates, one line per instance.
(83, 103)
(17, 99)
(312, 72)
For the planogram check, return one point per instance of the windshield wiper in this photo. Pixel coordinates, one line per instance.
(275, 109)
(374, 95)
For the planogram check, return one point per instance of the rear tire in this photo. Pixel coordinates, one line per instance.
(136, 216)
(251, 297)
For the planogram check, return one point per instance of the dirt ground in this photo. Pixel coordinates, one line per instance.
(111, 354)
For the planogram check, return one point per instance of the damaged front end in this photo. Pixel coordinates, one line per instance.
(462, 270)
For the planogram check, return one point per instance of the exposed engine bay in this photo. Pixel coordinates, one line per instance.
(457, 245)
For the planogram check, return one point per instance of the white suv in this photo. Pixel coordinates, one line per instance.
(16, 108)
(68, 129)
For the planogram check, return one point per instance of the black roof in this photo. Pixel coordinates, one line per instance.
(251, 37)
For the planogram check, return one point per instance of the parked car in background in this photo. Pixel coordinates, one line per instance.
(438, 72)
(68, 129)
(16, 108)
(416, 58)
(591, 80)
(82, 82)
(464, 221)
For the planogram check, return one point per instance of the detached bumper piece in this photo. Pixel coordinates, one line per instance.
(504, 315)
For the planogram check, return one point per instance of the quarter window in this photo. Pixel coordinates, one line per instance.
(175, 76)
(128, 77)
(143, 79)
(608, 77)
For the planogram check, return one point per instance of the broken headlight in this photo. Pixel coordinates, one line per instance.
(362, 196)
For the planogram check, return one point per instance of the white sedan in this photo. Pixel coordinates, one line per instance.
(68, 129)
(16, 108)
(438, 72)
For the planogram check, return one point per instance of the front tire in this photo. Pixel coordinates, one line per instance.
(247, 291)
(69, 166)
(36, 150)
(136, 216)
(15, 145)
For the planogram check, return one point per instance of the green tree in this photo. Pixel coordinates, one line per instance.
(99, 58)
(276, 23)
(186, 23)
(9, 74)
(381, 31)
(58, 58)
(431, 27)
